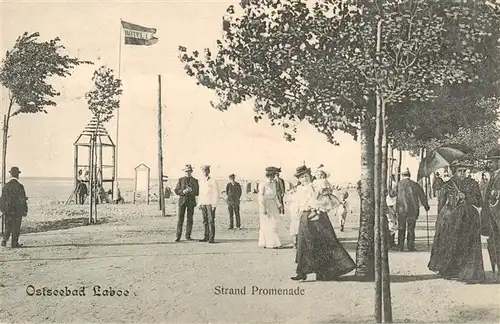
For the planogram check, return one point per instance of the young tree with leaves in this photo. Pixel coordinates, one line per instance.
(102, 100)
(25, 72)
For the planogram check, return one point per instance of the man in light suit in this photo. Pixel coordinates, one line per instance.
(187, 189)
(209, 194)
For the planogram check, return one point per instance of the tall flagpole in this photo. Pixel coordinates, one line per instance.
(115, 192)
(161, 197)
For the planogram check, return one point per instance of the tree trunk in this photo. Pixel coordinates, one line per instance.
(386, 280)
(6, 120)
(400, 161)
(378, 184)
(364, 249)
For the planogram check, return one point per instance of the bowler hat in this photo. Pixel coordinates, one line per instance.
(231, 175)
(301, 170)
(14, 170)
(188, 167)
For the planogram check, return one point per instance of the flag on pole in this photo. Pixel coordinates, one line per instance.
(138, 35)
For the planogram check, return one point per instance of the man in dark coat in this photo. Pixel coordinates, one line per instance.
(280, 190)
(408, 209)
(82, 192)
(490, 213)
(187, 189)
(233, 192)
(14, 207)
(436, 186)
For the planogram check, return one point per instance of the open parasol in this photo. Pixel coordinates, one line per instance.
(441, 157)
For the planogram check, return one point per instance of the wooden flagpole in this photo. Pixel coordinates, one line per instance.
(160, 154)
(115, 187)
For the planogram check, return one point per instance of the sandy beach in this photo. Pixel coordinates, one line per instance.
(132, 250)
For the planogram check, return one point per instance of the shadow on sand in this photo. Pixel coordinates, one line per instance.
(60, 224)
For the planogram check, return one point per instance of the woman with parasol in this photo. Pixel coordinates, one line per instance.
(456, 251)
(318, 249)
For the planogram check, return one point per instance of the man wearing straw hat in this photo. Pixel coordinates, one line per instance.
(490, 213)
(14, 208)
(187, 189)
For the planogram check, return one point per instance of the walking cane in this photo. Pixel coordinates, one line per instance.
(427, 216)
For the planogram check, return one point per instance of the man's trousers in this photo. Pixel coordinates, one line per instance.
(403, 227)
(234, 209)
(180, 220)
(208, 222)
(12, 226)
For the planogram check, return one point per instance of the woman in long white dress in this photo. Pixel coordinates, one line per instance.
(268, 212)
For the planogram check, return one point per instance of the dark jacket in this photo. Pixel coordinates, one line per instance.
(188, 199)
(408, 195)
(233, 193)
(280, 188)
(13, 201)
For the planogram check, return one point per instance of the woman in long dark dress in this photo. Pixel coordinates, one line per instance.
(318, 249)
(456, 251)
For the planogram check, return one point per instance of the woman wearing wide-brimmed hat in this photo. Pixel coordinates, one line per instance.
(318, 249)
(456, 250)
(269, 211)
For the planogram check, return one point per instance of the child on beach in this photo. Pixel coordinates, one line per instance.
(342, 210)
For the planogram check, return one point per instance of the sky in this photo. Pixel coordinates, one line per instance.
(193, 132)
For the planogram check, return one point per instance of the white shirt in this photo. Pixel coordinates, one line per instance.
(209, 192)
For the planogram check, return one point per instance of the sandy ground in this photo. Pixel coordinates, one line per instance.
(133, 250)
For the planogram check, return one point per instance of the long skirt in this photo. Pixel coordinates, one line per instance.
(268, 232)
(318, 249)
(456, 250)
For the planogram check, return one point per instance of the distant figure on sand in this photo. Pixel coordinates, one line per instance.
(187, 189)
(318, 249)
(280, 187)
(14, 207)
(209, 194)
(233, 192)
(81, 192)
(269, 211)
(343, 209)
(408, 209)
(436, 186)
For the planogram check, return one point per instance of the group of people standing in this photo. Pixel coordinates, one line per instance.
(317, 247)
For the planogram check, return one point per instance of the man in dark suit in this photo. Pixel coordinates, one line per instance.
(409, 193)
(14, 208)
(280, 188)
(233, 192)
(187, 189)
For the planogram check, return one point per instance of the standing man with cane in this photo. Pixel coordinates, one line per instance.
(408, 209)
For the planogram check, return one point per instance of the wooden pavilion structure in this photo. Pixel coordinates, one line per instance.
(94, 154)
